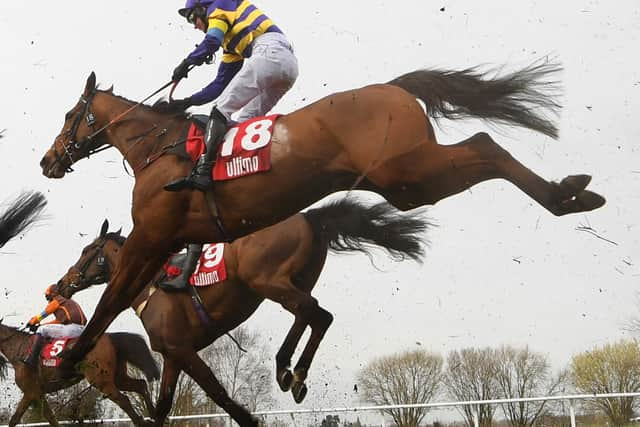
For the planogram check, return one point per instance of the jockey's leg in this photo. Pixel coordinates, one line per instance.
(34, 352)
(266, 75)
(181, 281)
(200, 176)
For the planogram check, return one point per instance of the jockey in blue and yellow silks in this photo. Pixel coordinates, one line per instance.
(258, 67)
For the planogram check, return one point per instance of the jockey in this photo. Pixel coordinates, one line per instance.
(69, 322)
(257, 68)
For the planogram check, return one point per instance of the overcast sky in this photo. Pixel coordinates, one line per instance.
(500, 269)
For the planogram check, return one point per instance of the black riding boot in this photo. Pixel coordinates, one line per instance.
(200, 176)
(34, 354)
(181, 281)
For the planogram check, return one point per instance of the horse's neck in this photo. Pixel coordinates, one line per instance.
(141, 132)
(12, 342)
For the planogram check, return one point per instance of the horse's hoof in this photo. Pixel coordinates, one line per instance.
(588, 200)
(299, 392)
(285, 378)
(573, 184)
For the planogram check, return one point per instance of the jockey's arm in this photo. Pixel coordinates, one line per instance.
(227, 69)
(49, 309)
(211, 43)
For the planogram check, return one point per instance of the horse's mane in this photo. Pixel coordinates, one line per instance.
(160, 106)
(116, 237)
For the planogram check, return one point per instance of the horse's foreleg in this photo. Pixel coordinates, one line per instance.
(195, 367)
(451, 169)
(170, 373)
(284, 377)
(128, 281)
(22, 407)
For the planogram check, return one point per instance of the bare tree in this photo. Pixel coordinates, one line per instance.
(612, 368)
(408, 377)
(523, 373)
(471, 375)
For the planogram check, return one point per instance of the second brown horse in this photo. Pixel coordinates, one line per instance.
(281, 263)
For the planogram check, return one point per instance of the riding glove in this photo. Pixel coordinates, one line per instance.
(180, 104)
(180, 71)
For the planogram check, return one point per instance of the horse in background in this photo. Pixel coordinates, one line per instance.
(22, 212)
(281, 263)
(105, 368)
(377, 138)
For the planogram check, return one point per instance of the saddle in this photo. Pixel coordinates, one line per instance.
(49, 354)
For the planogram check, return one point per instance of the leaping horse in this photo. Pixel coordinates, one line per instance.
(281, 263)
(376, 138)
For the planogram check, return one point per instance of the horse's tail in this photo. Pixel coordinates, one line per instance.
(134, 349)
(517, 98)
(21, 213)
(350, 226)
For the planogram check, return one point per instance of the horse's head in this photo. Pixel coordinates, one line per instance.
(93, 266)
(79, 136)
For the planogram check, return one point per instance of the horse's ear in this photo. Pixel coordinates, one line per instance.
(110, 90)
(91, 84)
(119, 231)
(105, 228)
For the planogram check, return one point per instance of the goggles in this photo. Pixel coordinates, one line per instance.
(195, 13)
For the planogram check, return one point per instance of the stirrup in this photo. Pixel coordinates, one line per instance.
(174, 284)
(196, 180)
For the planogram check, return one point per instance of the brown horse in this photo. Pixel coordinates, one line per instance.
(21, 213)
(104, 367)
(281, 263)
(376, 138)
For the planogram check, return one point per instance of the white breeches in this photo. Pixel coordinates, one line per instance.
(60, 331)
(263, 79)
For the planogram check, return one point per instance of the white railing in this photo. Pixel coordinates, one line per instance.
(571, 399)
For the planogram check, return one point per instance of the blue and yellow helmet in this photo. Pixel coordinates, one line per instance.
(191, 4)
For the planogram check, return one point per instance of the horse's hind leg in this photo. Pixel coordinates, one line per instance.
(110, 390)
(319, 321)
(125, 383)
(450, 169)
(307, 312)
(284, 376)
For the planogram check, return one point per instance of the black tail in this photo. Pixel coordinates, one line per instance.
(134, 349)
(21, 213)
(351, 226)
(517, 98)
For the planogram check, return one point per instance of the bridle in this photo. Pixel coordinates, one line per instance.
(81, 282)
(89, 142)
